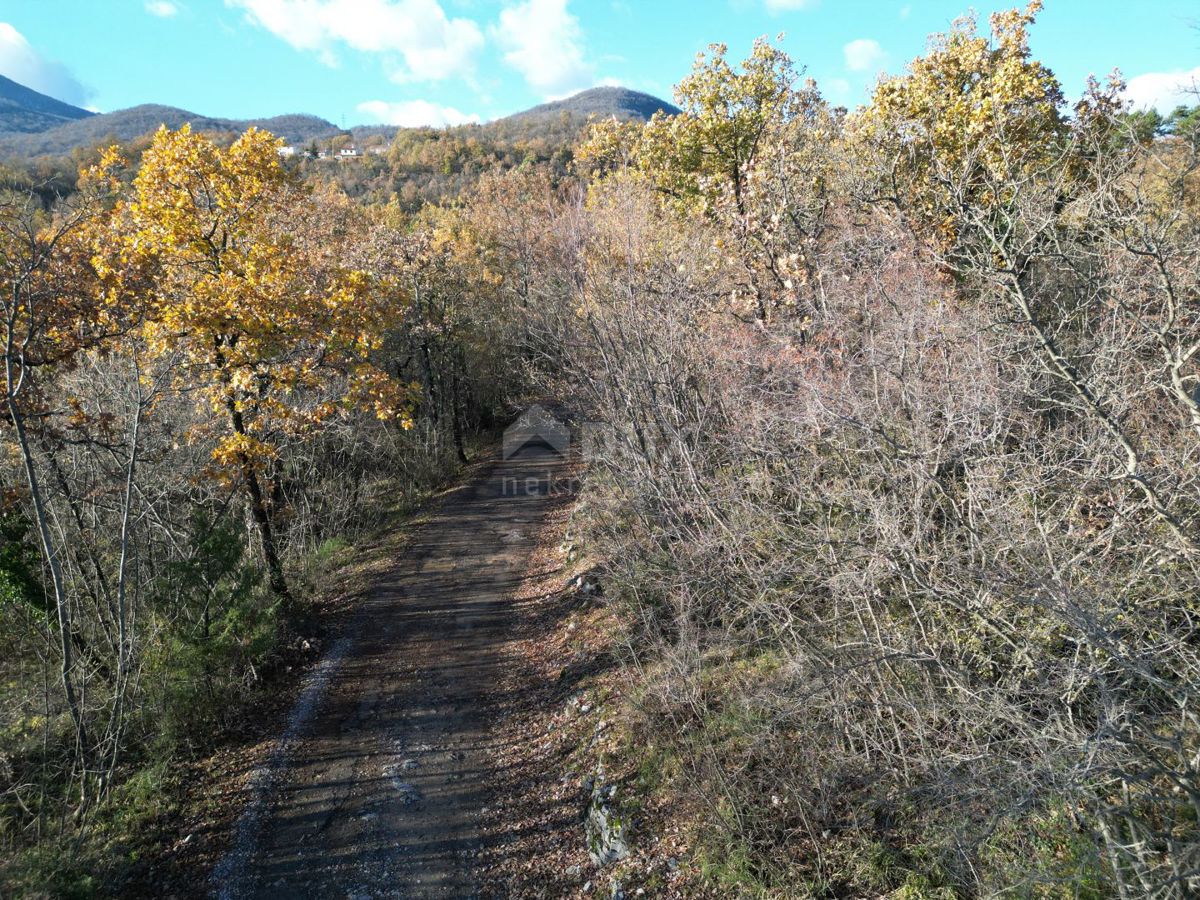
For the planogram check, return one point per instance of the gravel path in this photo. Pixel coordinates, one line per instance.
(379, 785)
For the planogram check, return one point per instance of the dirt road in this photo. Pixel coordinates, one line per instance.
(379, 785)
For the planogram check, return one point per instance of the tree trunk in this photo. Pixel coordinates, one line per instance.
(124, 638)
(50, 551)
(258, 510)
(456, 417)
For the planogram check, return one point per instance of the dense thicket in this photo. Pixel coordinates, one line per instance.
(897, 495)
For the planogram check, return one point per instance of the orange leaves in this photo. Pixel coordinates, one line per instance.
(217, 270)
(190, 194)
(240, 452)
(244, 288)
(103, 176)
(50, 308)
(386, 398)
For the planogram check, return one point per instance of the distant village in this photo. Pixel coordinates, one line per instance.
(313, 151)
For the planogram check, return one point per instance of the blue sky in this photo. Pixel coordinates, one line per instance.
(446, 61)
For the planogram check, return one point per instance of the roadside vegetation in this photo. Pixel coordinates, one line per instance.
(902, 501)
(898, 502)
(214, 375)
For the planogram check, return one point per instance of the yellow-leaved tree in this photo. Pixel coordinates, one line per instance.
(752, 149)
(727, 117)
(973, 117)
(246, 285)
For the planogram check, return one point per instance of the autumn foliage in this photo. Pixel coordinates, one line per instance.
(898, 515)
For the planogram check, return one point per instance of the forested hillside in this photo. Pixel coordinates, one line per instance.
(896, 519)
(413, 165)
(34, 125)
(140, 121)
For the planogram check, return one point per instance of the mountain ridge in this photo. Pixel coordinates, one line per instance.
(137, 121)
(35, 125)
(24, 110)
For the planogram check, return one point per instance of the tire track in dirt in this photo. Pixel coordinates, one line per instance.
(378, 785)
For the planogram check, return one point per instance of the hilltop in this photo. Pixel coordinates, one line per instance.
(600, 102)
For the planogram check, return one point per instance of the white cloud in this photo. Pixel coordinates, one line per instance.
(164, 9)
(906, 11)
(413, 113)
(20, 62)
(1164, 90)
(779, 6)
(431, 45)
(543, 42)
(864, 55)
